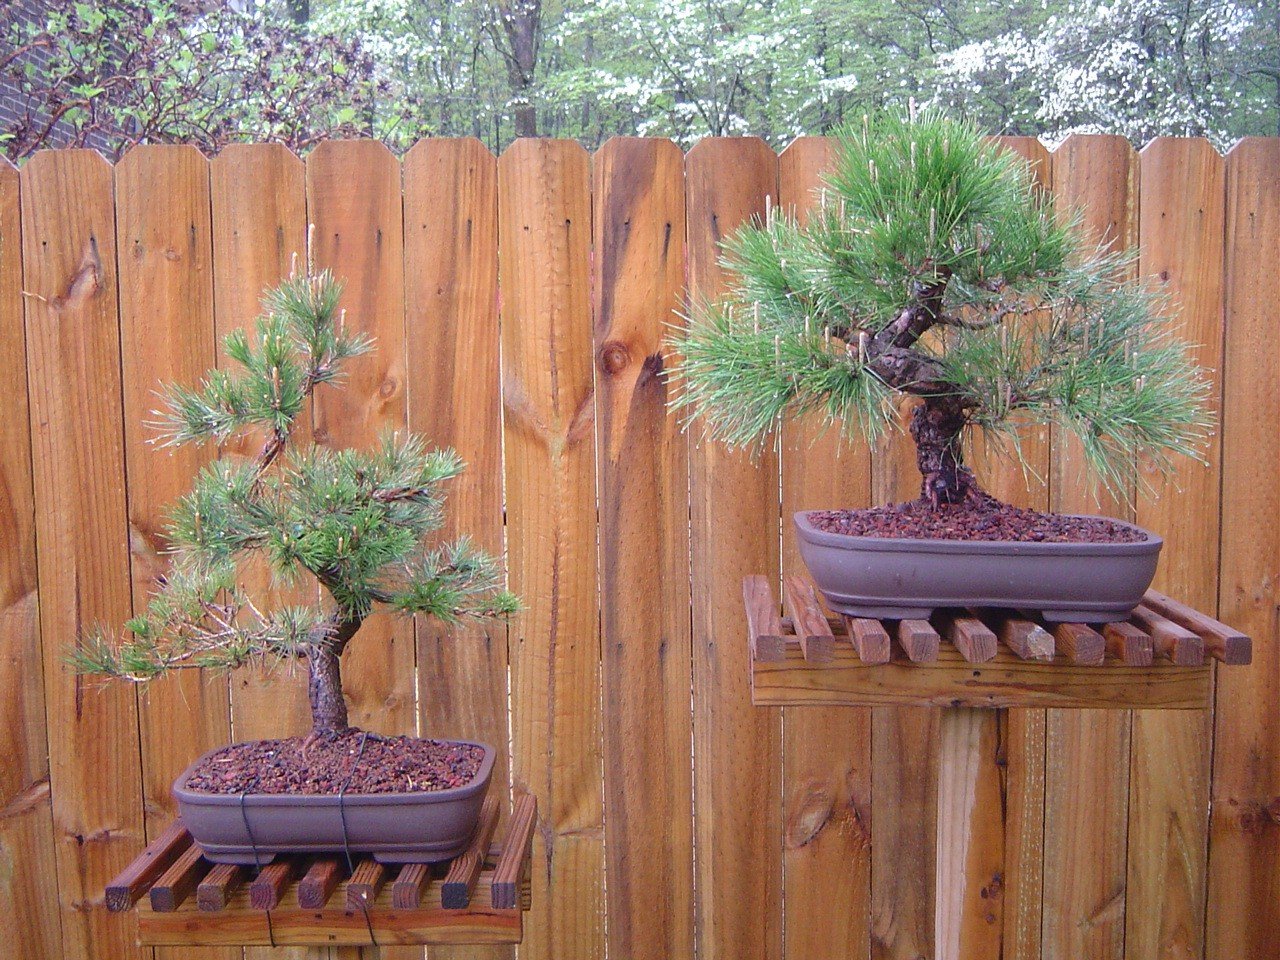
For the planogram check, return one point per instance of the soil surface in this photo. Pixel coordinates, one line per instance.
(982, 519)
(322, 766)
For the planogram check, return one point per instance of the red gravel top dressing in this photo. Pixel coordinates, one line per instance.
(387, 765)
(986, 520)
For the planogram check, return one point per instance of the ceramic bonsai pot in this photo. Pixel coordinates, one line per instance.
(422, 827)
(890, 578)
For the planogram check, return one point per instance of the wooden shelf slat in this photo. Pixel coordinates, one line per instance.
(317, 886)
(1027, 639)
(869, 638)
(995, 658)
(365, 883)
(1129, 643)
(464, 871)
(1080, 642)
(817, 641)
(918, 639)
(268, 885)
(764, 623)
(968, 634)
(1221, 641)
(1172, 641)
(133, 881)
(514, 861)
(179, 881)
(409, 885)
(222, 880)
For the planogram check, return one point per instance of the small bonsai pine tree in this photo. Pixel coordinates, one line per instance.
(359, 523)
(935, 268)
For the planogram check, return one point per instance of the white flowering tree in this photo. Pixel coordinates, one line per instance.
(1139, 68)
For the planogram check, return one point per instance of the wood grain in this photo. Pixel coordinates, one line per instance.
(164, 251)
(904, 770)
(1004, 681)
(73, 371)
(455, 400)
(29, 896)
(124, 889)
(826, 772)
(464, 871)
(1087, 788)
(259, 212)
(639, 242)
(1244, 866)
(1022, 731)
(179, 881)
(1183, 208)
(544, 225)
(969, 914)
(354, 202)
(293, 926)
(734, 532)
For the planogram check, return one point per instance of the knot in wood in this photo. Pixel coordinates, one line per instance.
(614, 357)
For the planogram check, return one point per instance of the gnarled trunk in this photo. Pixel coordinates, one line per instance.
(936, 427)
(324, 681)
(324, 691)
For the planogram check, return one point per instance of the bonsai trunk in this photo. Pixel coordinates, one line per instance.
(324, 682)
(936, 426)
(324, 690)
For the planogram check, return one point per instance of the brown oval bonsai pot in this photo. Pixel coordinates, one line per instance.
(892, 578)
(420, 827)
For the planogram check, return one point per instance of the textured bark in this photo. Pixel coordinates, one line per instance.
(324, 690)
(324, 681)
(936, 427)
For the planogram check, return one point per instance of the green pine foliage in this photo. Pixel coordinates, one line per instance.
(933, 248)
(361, 523)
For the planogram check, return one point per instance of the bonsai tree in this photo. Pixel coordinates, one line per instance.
(359, 523)
(935, 268)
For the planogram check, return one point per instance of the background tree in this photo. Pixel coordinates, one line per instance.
(119, 72)
(360, 523)
(122, 71)
(935, 269)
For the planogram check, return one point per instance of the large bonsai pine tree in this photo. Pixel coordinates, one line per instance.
(359, 523)
(934, 267)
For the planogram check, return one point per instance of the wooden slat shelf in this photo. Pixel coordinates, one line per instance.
(183, 900)
(1161, 658)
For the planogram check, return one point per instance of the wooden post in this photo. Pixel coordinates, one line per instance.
(969, 867)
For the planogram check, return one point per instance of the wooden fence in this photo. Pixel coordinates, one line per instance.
(519, 306)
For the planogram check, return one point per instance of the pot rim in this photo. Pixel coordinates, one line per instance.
(479, 782)
(846, 541)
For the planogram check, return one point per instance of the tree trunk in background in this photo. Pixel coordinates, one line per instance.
(299, 10)
(521, 28)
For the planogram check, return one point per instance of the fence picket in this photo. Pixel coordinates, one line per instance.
(734, 533)
(826, 772)
(1181, 229)
(166, 336)
(1087, 765)
(30, 898)
(1023, 734)
(1244, 858)
(644, 540)
(451, 300)
(544, 231)
(73, 370)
